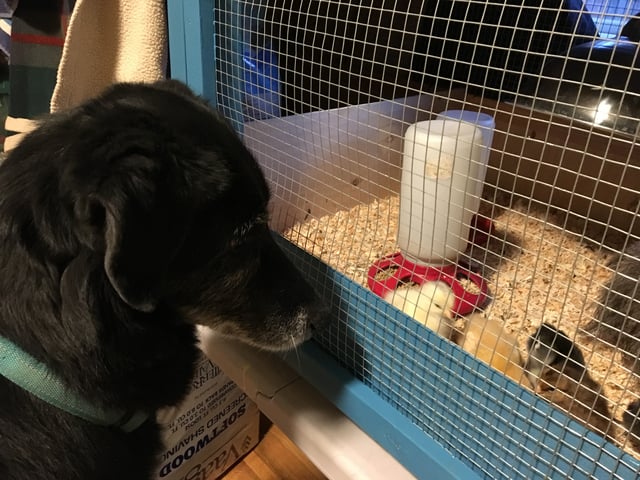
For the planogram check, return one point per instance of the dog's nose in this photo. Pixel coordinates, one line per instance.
(320, 317)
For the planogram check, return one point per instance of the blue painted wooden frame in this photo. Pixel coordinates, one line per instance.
(192, 45)
(415, 450)
(198, 41)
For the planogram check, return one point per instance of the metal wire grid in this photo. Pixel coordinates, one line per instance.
(479, 415)
(390, 352)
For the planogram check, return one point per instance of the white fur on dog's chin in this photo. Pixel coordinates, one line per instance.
(285, 341)
(206, 334)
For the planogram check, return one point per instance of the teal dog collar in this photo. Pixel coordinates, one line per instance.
(33, 376)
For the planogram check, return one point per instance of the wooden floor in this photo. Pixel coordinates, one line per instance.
(274, 458)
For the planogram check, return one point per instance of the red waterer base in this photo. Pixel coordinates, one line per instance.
(406, 271)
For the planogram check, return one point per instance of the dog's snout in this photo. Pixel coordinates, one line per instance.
(319, 317)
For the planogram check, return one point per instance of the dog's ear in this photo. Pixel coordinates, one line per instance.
(139, 224)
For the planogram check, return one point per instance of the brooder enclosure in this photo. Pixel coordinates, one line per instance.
(461, 182)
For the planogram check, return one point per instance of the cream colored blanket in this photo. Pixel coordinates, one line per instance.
(110, 41)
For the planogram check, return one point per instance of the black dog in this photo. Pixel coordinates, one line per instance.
(123, 223)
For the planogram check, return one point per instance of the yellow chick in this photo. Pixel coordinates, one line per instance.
(487, 340)
(431, 304)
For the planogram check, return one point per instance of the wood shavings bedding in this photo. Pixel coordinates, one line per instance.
(535, 270)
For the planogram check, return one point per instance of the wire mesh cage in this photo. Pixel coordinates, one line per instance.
(461, 182)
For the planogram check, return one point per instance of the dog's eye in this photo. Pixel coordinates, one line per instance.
(242, 232)
(97, 215)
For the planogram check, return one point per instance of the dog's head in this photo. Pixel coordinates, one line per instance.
(163, 189)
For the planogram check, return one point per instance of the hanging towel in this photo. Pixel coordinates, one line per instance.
(110, 41)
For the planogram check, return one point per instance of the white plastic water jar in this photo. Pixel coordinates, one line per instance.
(487, 125)
(444, 163)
